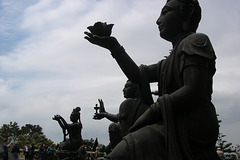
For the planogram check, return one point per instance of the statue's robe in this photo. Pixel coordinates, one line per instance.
(129, 111)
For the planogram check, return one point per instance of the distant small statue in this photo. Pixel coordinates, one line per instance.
(73, 130)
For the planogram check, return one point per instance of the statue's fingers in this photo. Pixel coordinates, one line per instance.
(87, 38)
(91, 40)
(91, 28)
(88, 34)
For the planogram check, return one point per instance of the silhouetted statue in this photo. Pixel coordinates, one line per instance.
(73, 130)
(115, 136)
(129, 110)
(182, 123)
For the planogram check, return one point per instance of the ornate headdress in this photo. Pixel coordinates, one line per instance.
(76, 111)
(196, 11)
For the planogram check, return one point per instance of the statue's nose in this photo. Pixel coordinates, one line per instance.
(158, 22)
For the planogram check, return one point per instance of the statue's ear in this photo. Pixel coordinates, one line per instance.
(186, 12)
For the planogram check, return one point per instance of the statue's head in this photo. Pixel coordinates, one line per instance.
(114, 131)
(114, 128)
(130, 90)
(75, 115)
(179, 16)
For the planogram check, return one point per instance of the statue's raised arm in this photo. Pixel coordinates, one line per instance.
(63, 124)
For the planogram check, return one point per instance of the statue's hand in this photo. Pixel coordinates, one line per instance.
(107, 42)
(101, 107)
(56, 117)
(98, 116)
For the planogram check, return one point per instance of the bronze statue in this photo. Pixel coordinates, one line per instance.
(129, 110)
(182, 123)
(115, 136)
(73, 130)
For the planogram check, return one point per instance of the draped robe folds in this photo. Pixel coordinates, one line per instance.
(189, 135)
(129, 111)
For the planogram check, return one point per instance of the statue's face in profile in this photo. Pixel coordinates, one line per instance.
(170, 21)
(129, 90)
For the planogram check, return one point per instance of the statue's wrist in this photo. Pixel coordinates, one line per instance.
(117, 51)
(105, 114)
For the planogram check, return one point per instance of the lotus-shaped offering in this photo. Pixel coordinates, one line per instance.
(101, 29)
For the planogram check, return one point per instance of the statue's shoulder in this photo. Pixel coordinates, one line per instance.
(199, 44)
(128, 101)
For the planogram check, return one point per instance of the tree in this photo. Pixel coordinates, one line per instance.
(30, 129)
(89, 143)
(35, 139)
(31, 134)
(10, 130)
(95, 144)
(228, 150)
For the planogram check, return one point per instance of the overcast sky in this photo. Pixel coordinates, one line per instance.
(48, 68)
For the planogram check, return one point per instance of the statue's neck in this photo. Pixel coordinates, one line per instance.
(179, 38)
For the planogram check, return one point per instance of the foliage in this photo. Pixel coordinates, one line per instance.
(35, 139)
(28, 134)
(10, 130)
(30, 129)
(95, 145)
(229, 152)
(89, 144)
